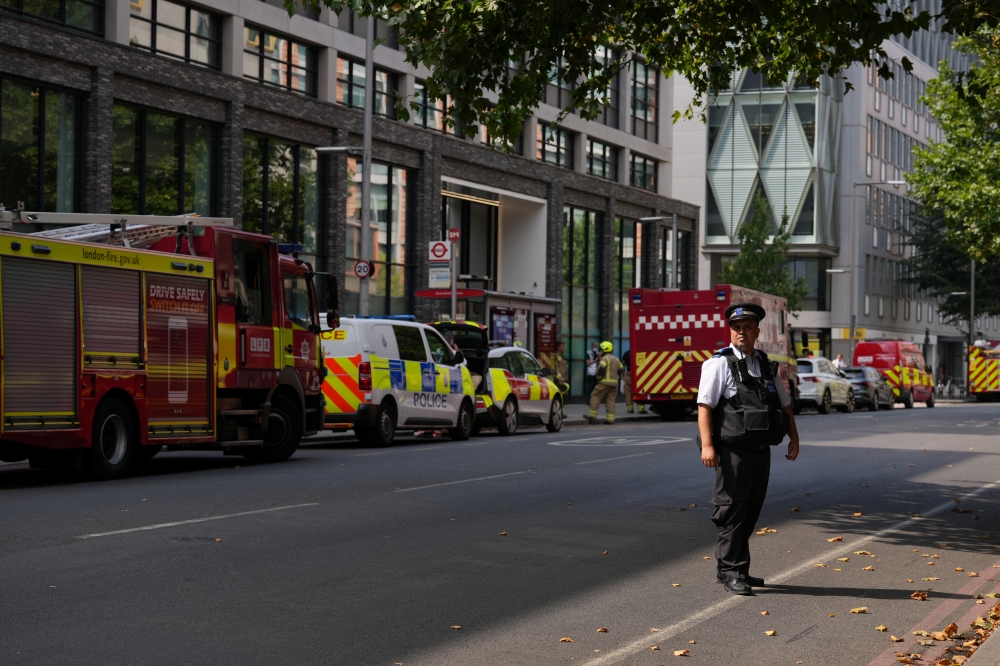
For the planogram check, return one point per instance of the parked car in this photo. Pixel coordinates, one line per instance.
(870, 388)
(823, 386)
(517, 391)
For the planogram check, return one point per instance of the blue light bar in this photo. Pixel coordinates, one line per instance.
(289, 248)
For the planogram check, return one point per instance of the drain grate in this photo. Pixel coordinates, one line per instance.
(188, 539)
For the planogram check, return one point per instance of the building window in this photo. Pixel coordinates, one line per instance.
(389, 287)
(683, 277)
(627, 274)
(555, 145)
(281, 193)
(813, 269)
(85, 15)
(558, 91)
(610, 112)
(581, 323)
(177, 31)
(642, 172)
(645, 93)
(277, 61)
(431, 113)
(40, 147)
(351, 88)
(162, 164)
(602, 160)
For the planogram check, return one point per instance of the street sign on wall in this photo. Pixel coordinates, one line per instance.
(454, 234)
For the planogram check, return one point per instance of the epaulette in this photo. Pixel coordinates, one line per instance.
(722, 352)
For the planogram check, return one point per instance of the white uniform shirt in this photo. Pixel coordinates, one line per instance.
(717, 380)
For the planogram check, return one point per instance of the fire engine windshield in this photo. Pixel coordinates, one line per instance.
(298, 300)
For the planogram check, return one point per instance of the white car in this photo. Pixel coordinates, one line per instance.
(823, 386)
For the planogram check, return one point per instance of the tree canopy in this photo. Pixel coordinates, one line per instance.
(761, 265)
(960, 177)
(491, 59)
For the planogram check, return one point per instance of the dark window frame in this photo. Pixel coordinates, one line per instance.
(350, 22)
(390, 96)
(610, 114)
(593, 227)
(61, 21)
(311, 70)
(215, 39)
(563, 147)
(643, 180)
(558, 91)
(181, 147)
(608, 159)
(625, 229)
(643, 126)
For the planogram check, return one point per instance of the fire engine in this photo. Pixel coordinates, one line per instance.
(123, 336)
(984, 371)
(672, 332)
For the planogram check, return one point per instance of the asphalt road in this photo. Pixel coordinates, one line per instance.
(359, 556)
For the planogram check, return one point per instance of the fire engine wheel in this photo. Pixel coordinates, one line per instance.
(466, 418)
(825, 403)
(555, 423)
(113, 443)
(507, 423)
(284, 432)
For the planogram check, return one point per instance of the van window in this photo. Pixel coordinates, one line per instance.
(382, 341)
(410, 343)
(826, 367)
(440, 352)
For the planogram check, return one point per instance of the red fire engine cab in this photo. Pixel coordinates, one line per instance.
(206, 339)
(672, 332)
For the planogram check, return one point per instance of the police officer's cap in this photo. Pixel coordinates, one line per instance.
(744, 311)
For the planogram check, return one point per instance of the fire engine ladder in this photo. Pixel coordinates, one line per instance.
(127, 231)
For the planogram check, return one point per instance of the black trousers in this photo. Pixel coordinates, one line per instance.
(740, 487)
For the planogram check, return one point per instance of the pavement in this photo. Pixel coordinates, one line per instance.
(346, 555)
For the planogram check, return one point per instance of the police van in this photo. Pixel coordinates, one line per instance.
(389, 373)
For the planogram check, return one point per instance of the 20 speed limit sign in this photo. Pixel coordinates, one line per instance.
(363, 269)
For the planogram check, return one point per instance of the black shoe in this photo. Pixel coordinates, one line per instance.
(737, 586)
(752, 581)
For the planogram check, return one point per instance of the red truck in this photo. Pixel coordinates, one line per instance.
(208, 339)
(673, 332)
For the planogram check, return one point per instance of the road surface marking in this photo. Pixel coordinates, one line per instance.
(634, 455)
(620, 441)
(426, 448)
(451, 483)
(645, 642)
(376, 453)
(193, 520)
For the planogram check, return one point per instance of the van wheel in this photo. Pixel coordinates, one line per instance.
(284, 432)
(826, 403)
(930, 402)
(113, 441)
(908, 400)
(555, 417)
(384, 431)
(507, 423)
(463, 429)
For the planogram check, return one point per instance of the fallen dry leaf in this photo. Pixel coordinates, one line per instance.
(605, 552)
(980, 601)
(862, 552)
(972, 574)
(959, 569)
(909, 580)
(919, 596)
(772, 632)
(675, 585)
(935, 556)
(565, 639)
(881, 627)
(681, 653)
(772, 531)
(895, 639)
(692, 642)
(861, 609)
(951, 630)
(868, 568)
(915, 515)
(681, 508)
(795, 509)
(857, 514)
(831, 615)
(458, 626)
(502, 534)
(932, 578)
(930, 564)
(838, 569)
(943, 545)
(837, 538)
(864, 485)
(655, 647)
(819, 565)
(217, 539)
(765, 612)
(654, 629)
(706, 557)
(958, 510)
(843, 559)
(904, 660)
(602, 630)
(693, 505)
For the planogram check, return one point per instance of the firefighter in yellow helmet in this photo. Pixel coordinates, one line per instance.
(606, 390)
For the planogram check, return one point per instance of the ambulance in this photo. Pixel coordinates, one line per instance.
(384, 374)
(902, 364)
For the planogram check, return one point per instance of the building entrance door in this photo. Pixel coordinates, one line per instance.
(477, 249)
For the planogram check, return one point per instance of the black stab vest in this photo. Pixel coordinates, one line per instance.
(753, 417)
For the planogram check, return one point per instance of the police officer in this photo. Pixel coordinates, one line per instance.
(743, 410)
(608, 373)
